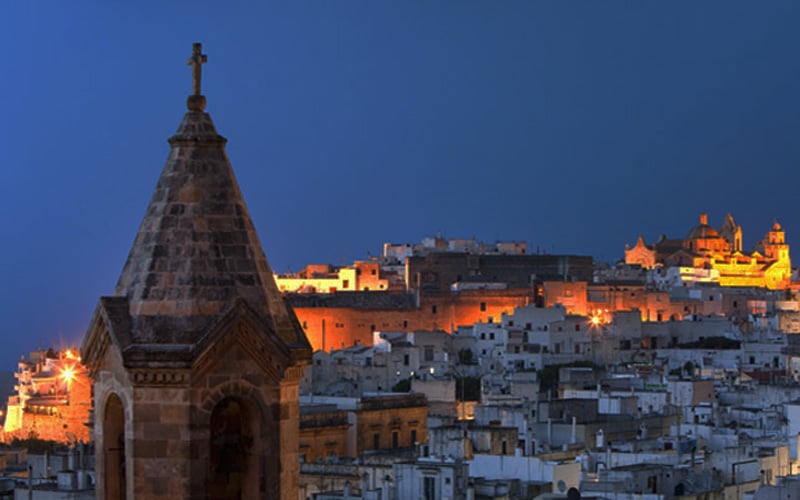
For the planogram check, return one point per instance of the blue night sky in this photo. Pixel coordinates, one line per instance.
(574, 126)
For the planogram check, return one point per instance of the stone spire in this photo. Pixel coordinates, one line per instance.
(196, 336)
(196, 251)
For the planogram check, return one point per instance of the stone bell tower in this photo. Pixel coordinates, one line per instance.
(196, 358)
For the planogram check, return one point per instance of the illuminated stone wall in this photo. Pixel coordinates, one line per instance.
(333, 324)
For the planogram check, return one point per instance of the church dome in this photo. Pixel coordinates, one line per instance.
(703, 230)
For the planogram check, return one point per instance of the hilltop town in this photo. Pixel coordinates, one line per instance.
(454, 368)
(445, 369)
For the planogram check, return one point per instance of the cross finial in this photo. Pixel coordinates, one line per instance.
(196, 101)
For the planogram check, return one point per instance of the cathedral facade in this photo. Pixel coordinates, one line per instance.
(720, 250)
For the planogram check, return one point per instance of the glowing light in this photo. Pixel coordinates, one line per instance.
(68, 374)
(596, 320)
(72, 355)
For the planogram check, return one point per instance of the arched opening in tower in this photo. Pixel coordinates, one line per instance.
(234, 451)
(114, 444)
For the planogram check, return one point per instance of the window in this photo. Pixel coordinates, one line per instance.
(405, 323)
(429, 488)
(577, 327)
(372, 272)
(483, 306)
(433, 309)
(405, 359)
(483, 336)
(428, 353)
(376, 441)
(491, 336)
(345, 283)
(395, 439)
(413, 436)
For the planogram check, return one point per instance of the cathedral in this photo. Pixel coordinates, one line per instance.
(767, 266)
(196, 357)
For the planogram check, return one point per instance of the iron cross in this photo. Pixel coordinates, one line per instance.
(197, 59)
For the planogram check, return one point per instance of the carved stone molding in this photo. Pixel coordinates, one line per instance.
(160, 377)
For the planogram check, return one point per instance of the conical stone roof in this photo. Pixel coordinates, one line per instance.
(196, 252)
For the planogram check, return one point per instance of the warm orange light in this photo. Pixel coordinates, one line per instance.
(595, 320)
(68, 374)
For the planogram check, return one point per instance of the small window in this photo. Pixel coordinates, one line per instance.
(483, 306)
(491, 336)
(577, 327)
(395, 439)
(433, 309)
(413, 436)
(345, 283)
(376, 441)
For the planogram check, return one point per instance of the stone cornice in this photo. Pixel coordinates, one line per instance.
(160, 377)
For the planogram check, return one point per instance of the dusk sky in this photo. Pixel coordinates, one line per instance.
(574, 126)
